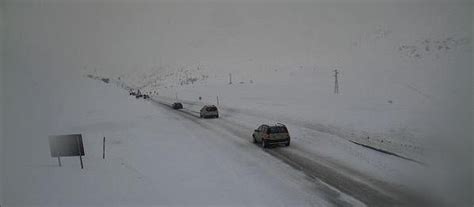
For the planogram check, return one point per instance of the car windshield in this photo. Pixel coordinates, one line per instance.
(277, 129)
(211, 108)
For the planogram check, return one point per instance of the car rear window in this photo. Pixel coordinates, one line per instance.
(277, 129)
(211, 108)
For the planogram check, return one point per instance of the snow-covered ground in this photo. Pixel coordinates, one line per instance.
(154, 157)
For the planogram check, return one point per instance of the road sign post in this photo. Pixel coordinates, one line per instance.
(103, 148)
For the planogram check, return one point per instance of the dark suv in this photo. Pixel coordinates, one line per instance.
(267, 135)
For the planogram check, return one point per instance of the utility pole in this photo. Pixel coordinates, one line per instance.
(336, 83)
(230, 78)
(103, 148)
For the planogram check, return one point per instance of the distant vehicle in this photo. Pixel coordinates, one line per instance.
(138, 94)
(177, 105)
(267, 135)
(209, 111)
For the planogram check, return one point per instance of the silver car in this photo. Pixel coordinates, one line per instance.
(267, 135)
(209, 111)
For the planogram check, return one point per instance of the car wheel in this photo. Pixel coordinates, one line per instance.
(200, 115)
(288, 143)
(217, 116)
(254, 140)
(264, 144)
